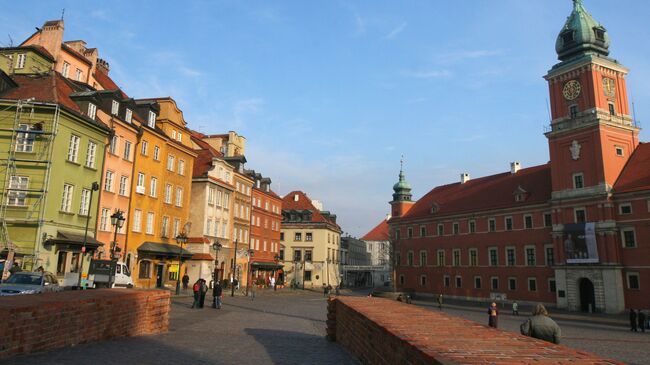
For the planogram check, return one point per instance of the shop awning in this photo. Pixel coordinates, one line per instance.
(165, 250)
(67, 241)
(266, 265)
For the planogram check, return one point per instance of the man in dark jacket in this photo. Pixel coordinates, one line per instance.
(633, 320)
(202, 293)
(641, 319)
(541, 326)
(186, 281)
(216, 296)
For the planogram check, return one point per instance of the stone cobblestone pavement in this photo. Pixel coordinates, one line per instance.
(285, 327)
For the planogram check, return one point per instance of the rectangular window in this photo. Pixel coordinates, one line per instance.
(211, 195)
(92, 110)
(179, 197)
(477, 282)
(308, 237)
(73, 148)
(115, 107)
(151, 120)
(441, 229)
(492, 225)
(108, 181)
(170, 162)
(297, 255)
(297, 236)
(528, 221)
(472, 226)
(409, 258)
(447, 281)
(153, 187)
(633, 281)
(459, 282)
(441, 258)
(508, 223)
(112, 148)
(91, 151)
(61, 263)
(512, 284)
(66, 69)
(103, 219)
(423, 280)
(423, 258)
(281, 236)
(137, 220)
(423, 231)
(409, 232)
(629, 237)
(85, 201)
(532, 284)
(580, 215)
(144, 270)
(494, 257)
(473, 257)
(578, 181)
(20, 60)
(612, 109)
(456, 257)
(181, 167)
(124, 185)
(552, 286)
(17, 194)
(510, 257)
(150, 220)
(307, 255)
(168, 193)
(128, 115)
(548, 220)
(308, 275)
(625, 208)
(177, 227)
(78, 75)
(66, 201)
(456, 228)
(530, 256)
(156, 153)
(127, 151)
(24, 140)
(550, 256)
(139, 188)
(494, 281)
(573, 111)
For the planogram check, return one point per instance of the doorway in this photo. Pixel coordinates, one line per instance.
(159, 275)
(587, 295)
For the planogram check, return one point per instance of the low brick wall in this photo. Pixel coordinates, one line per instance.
(382, 331)
(32, 323)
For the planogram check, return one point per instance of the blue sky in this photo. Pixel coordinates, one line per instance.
(329, 94)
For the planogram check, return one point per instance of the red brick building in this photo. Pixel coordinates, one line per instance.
(266, 215)
(573, 232)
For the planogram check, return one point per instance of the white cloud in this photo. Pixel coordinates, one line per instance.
(190, 72)
(428, 74)
(397, 30)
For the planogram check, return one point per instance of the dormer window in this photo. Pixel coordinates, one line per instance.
(520, 194)
(78, 75)
(65, 69)
(151, 121)
(173, 134)
(567, 37)
(115, 107)
(434, 208)
(129, 116)
(600, 34)
(92, 110)
(179, 137)
(20, 61)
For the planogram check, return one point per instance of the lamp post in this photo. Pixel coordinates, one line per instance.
(180, 239)
(294, 284)
(276, 259)
(327, 267)
(216, 246)
(93, 187)
(117, 220)
(234, 262)
(249, 276)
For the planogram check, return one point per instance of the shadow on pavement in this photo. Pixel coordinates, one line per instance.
(287, 347)
(274, 313)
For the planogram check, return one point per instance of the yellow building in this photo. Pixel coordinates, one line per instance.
(310, 243)
(160, 195)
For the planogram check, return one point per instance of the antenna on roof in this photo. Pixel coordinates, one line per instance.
(11, 41)
(634, 114)
(548, 110)
(62, 13)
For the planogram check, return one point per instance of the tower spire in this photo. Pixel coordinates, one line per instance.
(402, 188)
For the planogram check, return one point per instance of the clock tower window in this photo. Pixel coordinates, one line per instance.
(612, 109)
(578, 181)
(573, 111)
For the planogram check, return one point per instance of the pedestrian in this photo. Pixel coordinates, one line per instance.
(633, 320)
(408, 299)
(236, 284)
(273, 282)
(204, 291)
(515, 308)
(642, 320)
(217, 291)
(541, 326)
(196, 289)
(324, 290)
(186, 281)
(252, 292)
(329, 289)
(399, 298)
(440, 302)
(493, 313)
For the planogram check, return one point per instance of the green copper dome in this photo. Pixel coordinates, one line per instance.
(402, 188)
(581, 34)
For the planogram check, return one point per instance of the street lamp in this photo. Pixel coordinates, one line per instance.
(249, 277)
(234, 262)
(117, 220)
(93, 187)
(180, 239)
(327, 267)
(216, 246)
(276, 258)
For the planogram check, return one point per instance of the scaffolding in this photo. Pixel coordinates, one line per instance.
(27, 131)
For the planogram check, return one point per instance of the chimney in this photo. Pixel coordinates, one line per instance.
(102, 66)
(51, 37)
(464, 177)
(514, 167)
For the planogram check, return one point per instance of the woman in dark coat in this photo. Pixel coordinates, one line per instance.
(493, 313)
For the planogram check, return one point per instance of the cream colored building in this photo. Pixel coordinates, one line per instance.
(310, 243)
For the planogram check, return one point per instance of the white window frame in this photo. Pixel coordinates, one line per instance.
(622, 205)
(170, 162)
(65, 69)
(505, 223)
(112, 148)
(128, 116)
(168, 193)
(151, 217)
(490, 250)
(532, 221)
(156, 153)
(84, 207)
(179, 196)
(492, 220)
(108, 181)
(469, 256)
(151, 120)
(124, 186)
(127, 151)
(91, 152)
(144, 147)
(619, 148)
(137, 220)
(164, 230)
(17, 198)
(627, 280)
(21, 60)
(514, 249)
(66, 200)
(582, 178)
(153, 187)
(628, 229)
(103, 220)
(181, 167)
(92, 110)
(24, 140)
(78, 74)
(534, 248)
(115, 107)
(140, 183)
(73, 148)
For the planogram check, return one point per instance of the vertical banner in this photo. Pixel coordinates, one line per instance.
(580, 243)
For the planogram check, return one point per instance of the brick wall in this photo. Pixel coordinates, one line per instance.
(382, 331)
(32, 323)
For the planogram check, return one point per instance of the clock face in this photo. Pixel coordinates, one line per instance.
(571, 90)
(609, 87)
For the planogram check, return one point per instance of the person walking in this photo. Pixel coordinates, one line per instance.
(440, 302)
(633, 320)
(515, 308)
(273, 282)
(186, 281)
(325, 290)
(642, 320)
(493, 313)
(541, 326)
(196, 288)
(203, 292)
(217, 291)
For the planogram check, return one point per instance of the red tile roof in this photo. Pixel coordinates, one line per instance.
(486, 193)
(304, 203)
(636, 174)
(107, 83)
(379, 233)
(50, 88)
(203, 161)
(202, 256)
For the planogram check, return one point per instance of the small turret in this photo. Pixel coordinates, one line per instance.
(580, 35)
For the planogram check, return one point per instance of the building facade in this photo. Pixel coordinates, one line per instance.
(572, 232)
(378, 246)
(310, 243)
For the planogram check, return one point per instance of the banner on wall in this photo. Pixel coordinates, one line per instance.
(580, 243)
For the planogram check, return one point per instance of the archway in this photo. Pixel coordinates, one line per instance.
(587, 295)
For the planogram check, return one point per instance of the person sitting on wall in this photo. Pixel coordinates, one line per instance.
(541, 326)
(399, 298)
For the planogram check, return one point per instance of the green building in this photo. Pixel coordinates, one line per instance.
(51, 154)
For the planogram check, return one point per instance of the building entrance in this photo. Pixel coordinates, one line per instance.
(587, 295)
(159, 275)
